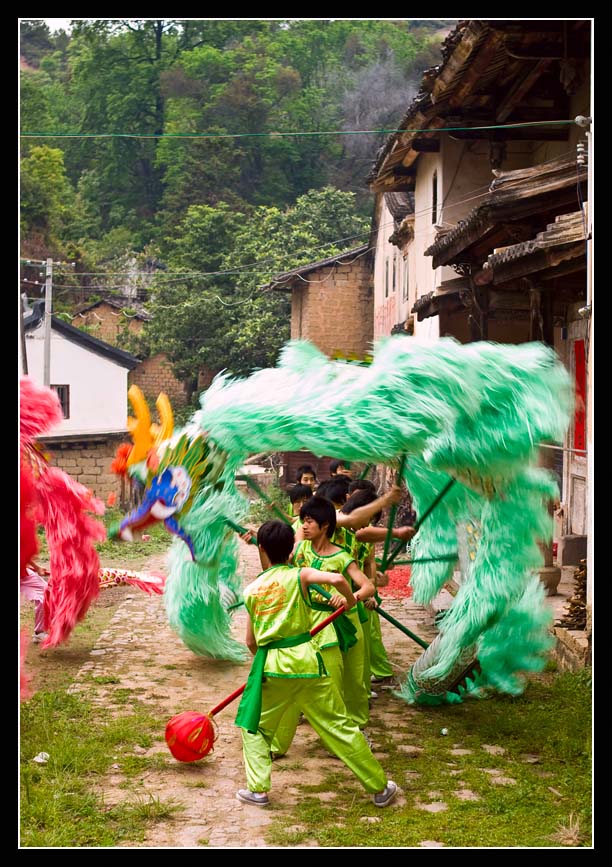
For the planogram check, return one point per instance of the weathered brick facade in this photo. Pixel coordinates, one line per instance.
(335, 308)
(88, 459)
(154, 375)
(105, 322)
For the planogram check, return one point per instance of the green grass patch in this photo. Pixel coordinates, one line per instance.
(545, 734)
(115, 552)
(60, 804)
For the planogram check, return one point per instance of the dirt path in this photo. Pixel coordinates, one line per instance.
(140, 653)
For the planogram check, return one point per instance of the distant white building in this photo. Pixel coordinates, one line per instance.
(91, 380)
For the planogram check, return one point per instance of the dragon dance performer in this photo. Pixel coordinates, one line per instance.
(278, 634)
(318, 517)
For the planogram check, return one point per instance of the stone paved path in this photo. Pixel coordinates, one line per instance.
(139, 654)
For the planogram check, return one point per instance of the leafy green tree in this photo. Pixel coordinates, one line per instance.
(247, 80)
(35, 41)
(46, 192)
(225, 320)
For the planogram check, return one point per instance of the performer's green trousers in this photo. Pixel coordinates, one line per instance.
(354, 692)
(334, 665)
(318, 698)
(347, 672)
(379, 661)
(366, 656)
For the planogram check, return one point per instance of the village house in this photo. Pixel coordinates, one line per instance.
(394, 264)
(499, 235)
(331, 306)
(91, 380)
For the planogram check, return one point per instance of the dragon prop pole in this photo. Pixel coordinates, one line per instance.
(474, 413)
(271, 505)
(392, 513)
(396, 550)
(466, 668)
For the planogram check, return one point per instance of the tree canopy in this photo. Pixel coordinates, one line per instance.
(128, 186)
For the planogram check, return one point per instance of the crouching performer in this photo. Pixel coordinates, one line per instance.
(288, 671)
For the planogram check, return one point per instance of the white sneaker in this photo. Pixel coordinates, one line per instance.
(259, 799)
(384, 798)
(39, 636)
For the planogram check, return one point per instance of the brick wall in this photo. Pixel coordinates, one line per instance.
(336, 314)
(88, 461)
(154, 375)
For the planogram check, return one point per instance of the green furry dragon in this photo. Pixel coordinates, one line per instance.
(472, 413)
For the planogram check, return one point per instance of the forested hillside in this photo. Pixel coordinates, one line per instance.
(152, 158)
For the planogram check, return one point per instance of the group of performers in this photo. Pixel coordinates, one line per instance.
(326, 678)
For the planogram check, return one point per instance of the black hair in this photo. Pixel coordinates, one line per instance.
(322, 511)
(361, 485)
(333, 466)
(305, 468)
(361, 497)
(299, 492)
(334, 489)
(277, 540)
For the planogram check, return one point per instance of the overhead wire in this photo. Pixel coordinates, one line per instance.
(295, 133)
(273, 283)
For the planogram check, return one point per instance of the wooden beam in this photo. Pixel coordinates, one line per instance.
(537, 133)
(520, 89)
(471, 77)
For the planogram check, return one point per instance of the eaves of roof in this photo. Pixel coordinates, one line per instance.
(440, 81)
(514, 195)
(283, 281)
(562, 241)
(81, 338)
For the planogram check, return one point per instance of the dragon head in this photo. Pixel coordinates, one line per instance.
(171, 471)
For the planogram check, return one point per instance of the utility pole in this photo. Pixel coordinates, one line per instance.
(48, 311)
(24, 355)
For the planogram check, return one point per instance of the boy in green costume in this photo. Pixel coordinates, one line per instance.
(288, 671)
(298, 495)
(318, 518)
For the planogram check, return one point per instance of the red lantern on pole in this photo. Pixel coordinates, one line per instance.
(190, 736)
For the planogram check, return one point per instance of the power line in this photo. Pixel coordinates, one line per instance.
(179, 277)
(272, 134)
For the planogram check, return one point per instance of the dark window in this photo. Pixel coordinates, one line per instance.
(386, 277)
(434, 198)
(63, 392)
(406, 286)
(394, 272)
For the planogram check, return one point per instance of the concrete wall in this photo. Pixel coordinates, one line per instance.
(334, 309)
(98, 386)
(426, 278)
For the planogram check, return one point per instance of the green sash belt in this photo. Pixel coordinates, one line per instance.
(362, 612)
(249, 710)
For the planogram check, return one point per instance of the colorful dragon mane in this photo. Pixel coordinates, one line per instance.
(52, 498)
(473, 413)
